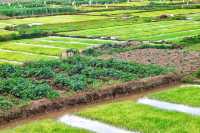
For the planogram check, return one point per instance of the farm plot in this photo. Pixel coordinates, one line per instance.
(4, 33)
(43, 48)
(163, 30)
(142, 118)
(143, 13)
(187, 95)
(194, 16)
(45, 126)
(50, 20)
(183, 61)
(43, 79)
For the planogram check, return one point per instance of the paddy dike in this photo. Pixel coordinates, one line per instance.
(184, 61)
(44, 106)
(170, 106)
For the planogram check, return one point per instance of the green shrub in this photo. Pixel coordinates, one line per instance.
(39, 73)
(6, 70)
(190, 40)
(5, 104)
(76, 82)
(198, 74)
(26, 89)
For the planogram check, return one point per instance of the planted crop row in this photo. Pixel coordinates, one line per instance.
(162, 30)
(35, 80)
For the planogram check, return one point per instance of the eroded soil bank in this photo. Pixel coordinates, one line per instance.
(54, 109)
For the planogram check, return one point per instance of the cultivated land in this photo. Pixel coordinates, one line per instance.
(45, 126)
(49, 20)
(57, 54)
(142, 118)
(165, 30)
(44, 48)
(188, 95)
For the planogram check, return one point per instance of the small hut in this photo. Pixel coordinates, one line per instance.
(69, 53)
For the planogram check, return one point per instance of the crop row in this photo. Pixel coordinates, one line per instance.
(44, 48)
(151, 31)
(38, 79)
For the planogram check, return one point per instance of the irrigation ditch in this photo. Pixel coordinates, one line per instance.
(115, 92)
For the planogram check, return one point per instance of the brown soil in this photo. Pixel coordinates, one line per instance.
(184, 62)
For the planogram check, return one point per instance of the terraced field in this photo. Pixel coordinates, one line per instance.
(143, 13)
(154, 31)
(6, 32)
(126, 48)
(19, 51)
(49, 20)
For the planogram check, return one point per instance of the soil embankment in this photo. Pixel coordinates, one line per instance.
(115, 91)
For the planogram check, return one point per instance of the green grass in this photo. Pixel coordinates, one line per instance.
(12, 56)
(31, 49)
(194, 16)
(44, 48)
(195, 47)
(49, 19)
(83, 25)
(183, 95)
(142, 118)
(162, 30)
(175, 12)
(142, 13)
(45, 126)
(5, 32)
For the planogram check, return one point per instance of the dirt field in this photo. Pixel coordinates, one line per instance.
(183, 61)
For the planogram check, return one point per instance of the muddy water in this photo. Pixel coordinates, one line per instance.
(57, 114)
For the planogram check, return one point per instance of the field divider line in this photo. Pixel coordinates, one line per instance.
(170, 106)
(191, 85)
(67, 43)
(96, 39)
(168, 33)
(27, 53)
(39, 45)
(91, 125)
(11, 61)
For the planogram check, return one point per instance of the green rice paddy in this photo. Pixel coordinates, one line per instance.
(154, 31)
(45, 126)
(43, 48)
(143, 118)
(188, 95)
(49, 20)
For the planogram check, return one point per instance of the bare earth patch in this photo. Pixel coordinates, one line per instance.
(183, 61)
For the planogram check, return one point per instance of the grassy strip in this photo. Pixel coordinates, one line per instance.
(51, 19)
(142, 13)
(22, 57)
(143, 118)
(135, 32)
(189, 95)
(76, 26)
(31, 49)
(46, 46)
(45, 126)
